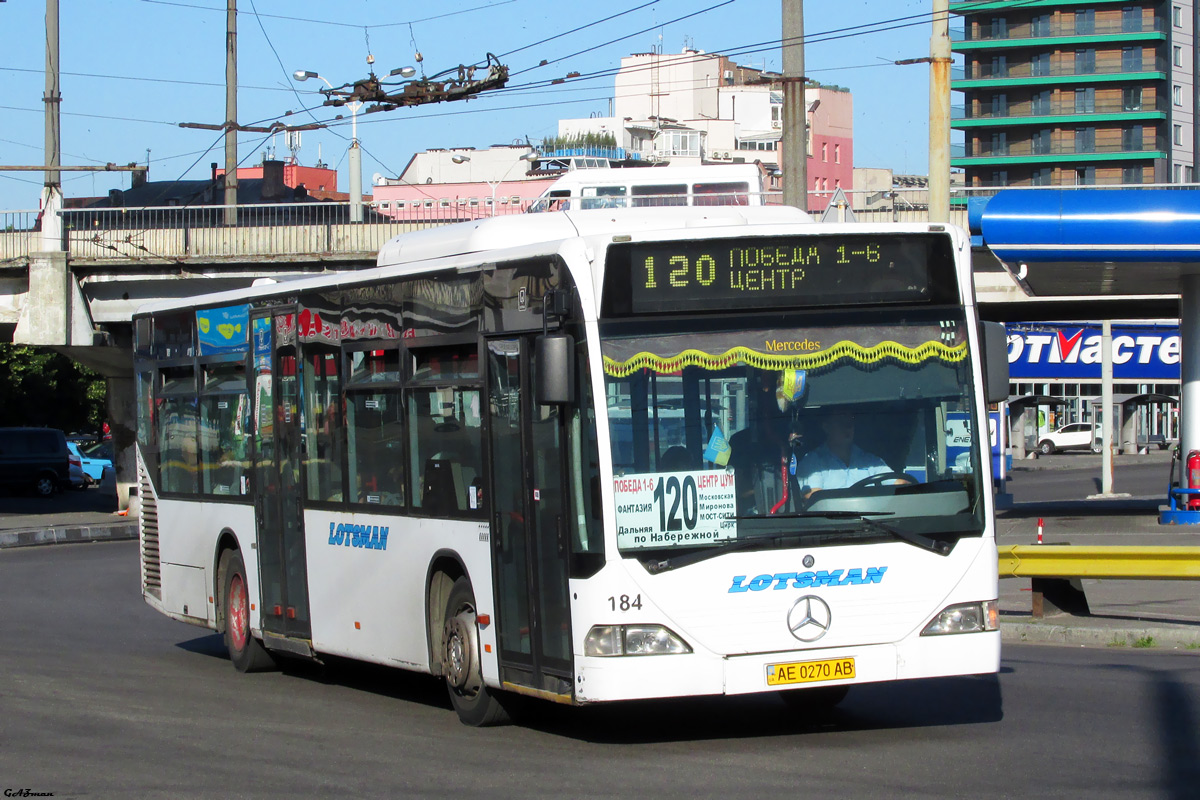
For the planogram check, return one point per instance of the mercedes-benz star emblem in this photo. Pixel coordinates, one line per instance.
(809, 618)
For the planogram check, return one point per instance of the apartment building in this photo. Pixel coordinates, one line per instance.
(694, 108)
(1067, 92)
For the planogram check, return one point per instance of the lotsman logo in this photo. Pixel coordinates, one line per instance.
(804, 580)
(369, 537)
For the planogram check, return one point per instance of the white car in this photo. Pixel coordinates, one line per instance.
(1076, 436)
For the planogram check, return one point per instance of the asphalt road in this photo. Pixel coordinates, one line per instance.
(1075, 475)
(102, 697)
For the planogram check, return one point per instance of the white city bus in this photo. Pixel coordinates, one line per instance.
(557, 456)
(654, 187)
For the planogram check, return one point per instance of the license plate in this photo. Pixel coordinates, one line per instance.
(832, 669)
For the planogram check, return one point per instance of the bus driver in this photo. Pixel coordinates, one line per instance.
(838, 463)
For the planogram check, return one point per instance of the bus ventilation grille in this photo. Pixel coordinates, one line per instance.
(148, 530)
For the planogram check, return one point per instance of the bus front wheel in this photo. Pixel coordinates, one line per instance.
(246, 652)
(474, 703)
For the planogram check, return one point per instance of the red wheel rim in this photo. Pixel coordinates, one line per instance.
(239, 613)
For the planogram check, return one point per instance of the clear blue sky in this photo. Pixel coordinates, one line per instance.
(133, 69)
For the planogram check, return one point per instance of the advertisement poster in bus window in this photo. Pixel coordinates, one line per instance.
(261, 331)
(223, 330)
(958, 441)
(673, 509)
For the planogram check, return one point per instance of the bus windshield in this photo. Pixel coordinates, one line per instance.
(790, 436)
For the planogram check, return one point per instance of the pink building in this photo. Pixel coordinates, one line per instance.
(831, 144)
(457, 201)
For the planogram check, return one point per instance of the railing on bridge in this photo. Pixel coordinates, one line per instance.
(20, 235)
(323, 231)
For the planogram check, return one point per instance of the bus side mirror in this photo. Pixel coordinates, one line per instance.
(554, 355)
(995, 362)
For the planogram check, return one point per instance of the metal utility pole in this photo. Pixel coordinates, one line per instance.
(356, 203)
(1106, 400)
(794, 141)
(939, 113)
(231, 156)
(52, 192)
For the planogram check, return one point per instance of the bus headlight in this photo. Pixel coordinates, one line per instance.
(965, 618)
(632, 640)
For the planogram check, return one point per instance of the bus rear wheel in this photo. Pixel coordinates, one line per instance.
(246, 652)
(472, 701)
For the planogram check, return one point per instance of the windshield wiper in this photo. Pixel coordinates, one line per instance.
(865, 517)
(755, 540)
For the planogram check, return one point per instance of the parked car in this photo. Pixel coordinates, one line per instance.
(1075, 436)
(34, 458)
(96, 458)
(79, 480)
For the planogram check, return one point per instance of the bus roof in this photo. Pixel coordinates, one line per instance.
(500, 233)
(416, 249)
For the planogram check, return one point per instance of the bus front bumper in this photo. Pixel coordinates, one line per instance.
(599, 680)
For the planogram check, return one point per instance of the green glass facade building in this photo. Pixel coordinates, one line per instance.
(1067, 92)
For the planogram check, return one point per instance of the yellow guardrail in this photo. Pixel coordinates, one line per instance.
(1116, 561)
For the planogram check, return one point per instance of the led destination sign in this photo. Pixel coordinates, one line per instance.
(777, 272)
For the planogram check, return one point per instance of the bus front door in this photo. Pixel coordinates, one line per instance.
(529, 541)
(277, 490)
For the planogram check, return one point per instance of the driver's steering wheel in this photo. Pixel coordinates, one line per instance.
(883, 477)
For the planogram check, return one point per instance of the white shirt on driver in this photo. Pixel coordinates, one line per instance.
(821, 469)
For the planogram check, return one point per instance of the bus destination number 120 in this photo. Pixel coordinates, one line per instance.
(672, 509)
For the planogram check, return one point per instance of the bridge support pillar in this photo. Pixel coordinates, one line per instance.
(55, 311)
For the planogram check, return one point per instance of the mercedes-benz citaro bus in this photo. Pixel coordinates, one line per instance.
(585, 457)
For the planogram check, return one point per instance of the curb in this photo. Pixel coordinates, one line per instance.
(1181, 637)
(68, 534)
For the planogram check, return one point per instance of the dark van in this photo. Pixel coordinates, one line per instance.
(34, 458)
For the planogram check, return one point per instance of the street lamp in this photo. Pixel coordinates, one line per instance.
(356, 208)
(529, 157)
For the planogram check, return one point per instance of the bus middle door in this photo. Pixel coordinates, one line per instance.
(277, 491)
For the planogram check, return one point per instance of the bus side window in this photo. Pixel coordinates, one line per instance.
(660, 195)
(222, 445)
(322, 396)
(604, 197)
(375, 441)
(721, 194)
(179, 422)
(444, 426)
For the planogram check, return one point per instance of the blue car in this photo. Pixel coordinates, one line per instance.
(95, 458)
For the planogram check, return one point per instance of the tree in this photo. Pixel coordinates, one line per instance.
(44, 388)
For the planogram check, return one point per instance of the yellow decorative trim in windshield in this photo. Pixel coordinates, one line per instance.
(744, 355)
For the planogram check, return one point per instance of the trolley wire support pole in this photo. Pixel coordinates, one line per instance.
(939, 113)
(231, 158)
(794, 139)
(52, 199)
